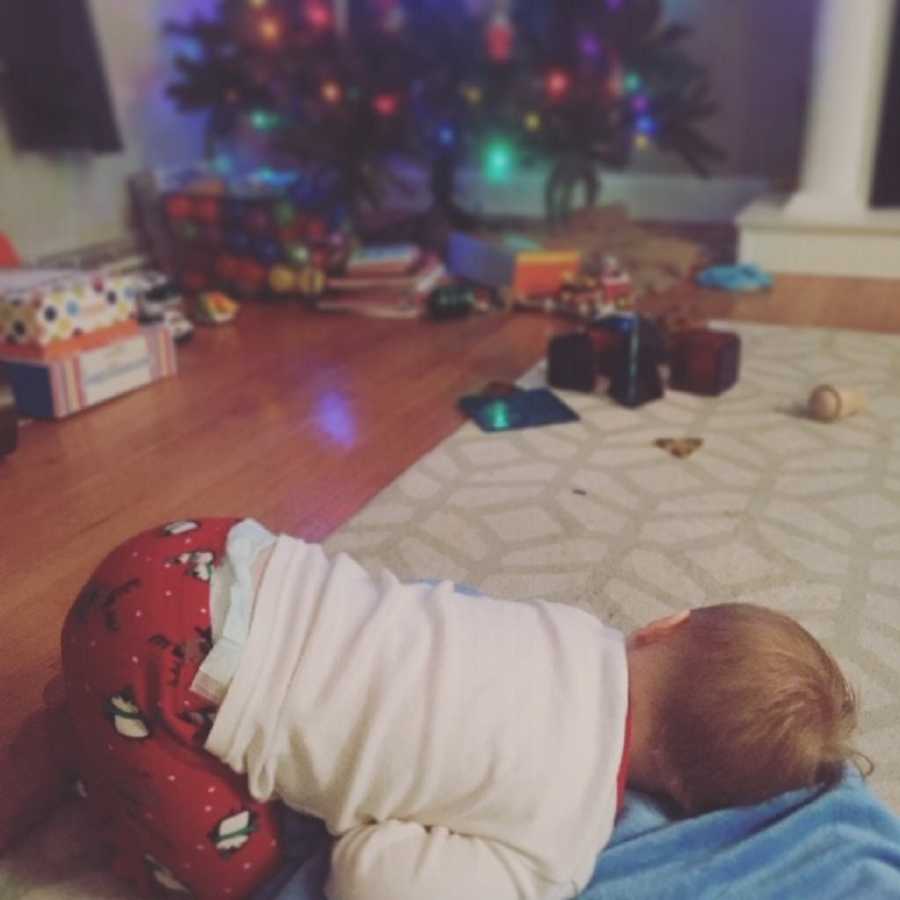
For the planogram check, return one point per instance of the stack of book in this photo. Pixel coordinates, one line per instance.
(384, 282)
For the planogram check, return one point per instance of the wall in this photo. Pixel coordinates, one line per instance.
(758, 51)
(57, 202)
(759, 54)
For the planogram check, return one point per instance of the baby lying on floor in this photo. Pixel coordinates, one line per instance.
(457, 747)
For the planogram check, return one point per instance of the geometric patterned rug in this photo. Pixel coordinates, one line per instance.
(773, 508)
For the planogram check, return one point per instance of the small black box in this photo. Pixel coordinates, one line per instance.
(570, 363)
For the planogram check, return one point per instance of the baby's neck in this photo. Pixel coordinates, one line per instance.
(646, 769)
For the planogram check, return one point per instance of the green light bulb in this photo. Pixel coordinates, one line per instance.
(263, 120)
(498, 161)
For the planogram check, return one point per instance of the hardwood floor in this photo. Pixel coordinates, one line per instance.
(294, 418)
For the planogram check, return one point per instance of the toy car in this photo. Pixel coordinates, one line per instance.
(159, 300)
(155, 295)
(179, 325)
(616, 282)
(215, 308)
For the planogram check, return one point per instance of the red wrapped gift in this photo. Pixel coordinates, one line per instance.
(704, 362)
(608, 345)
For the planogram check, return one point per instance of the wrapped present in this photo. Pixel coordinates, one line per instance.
(570, 362)
(56, 388)
(525, 269)
(246, 236)
(39, 307)
(72, 345)
(706, 362)
(383, 259)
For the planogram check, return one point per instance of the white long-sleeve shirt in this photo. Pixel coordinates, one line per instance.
(460, 747)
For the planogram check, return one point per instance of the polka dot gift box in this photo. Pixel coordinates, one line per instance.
(40, 307)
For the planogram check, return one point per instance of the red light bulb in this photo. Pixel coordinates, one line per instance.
(557, 84)
(386, 104)
(318, 15)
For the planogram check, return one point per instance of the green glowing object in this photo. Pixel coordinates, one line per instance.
(498, 161)
(285, 212)
(498, 414)
(263, 120)
(633, 82)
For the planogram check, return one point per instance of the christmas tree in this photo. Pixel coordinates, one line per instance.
(341, 88)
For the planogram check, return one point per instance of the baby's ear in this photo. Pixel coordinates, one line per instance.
(660, 629)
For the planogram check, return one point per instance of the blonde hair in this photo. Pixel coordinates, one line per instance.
(755, 706)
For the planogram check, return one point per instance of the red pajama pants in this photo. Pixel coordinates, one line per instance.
(179, 823)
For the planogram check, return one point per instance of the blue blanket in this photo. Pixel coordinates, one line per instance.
(834, 846)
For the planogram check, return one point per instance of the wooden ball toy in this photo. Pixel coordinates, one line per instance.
(828, 403)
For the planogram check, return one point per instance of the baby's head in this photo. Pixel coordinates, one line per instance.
(734, 704)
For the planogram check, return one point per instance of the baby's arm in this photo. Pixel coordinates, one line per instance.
(405, 861)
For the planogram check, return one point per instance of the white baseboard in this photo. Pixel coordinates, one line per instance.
(664, 198)
(110, 256)
(863, 245)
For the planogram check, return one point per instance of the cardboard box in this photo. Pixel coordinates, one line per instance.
(54, 389)
(705, 362)
(498, 264)
(70, 346)
(41, 306)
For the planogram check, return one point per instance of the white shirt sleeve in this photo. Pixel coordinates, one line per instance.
(406, 861)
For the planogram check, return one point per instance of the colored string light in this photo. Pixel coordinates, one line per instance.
(263, 120)
(633, 82)
(386, 105)
(473, 94)
(590, 46)
(498, 161)
(640, 103)
(270, 30)
(331, 92)
(500, 38)
(318, 15)
(646, 125)
(557, 84)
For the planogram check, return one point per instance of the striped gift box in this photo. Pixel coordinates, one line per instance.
(53, 389)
